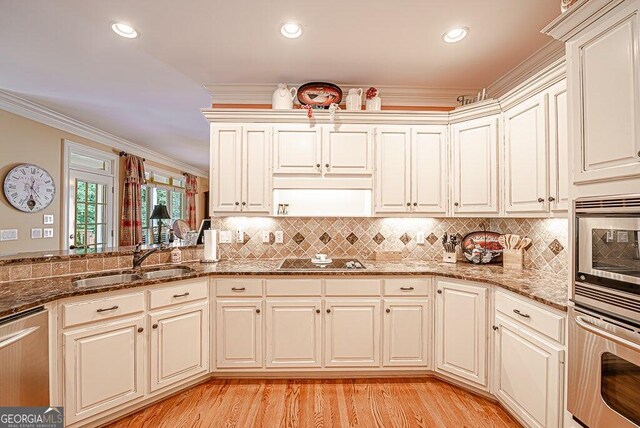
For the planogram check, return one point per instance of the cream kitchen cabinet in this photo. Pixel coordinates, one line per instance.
(461, 331)
(525, 141)
(475, 166)
(528, 374)
(352, 333)
(347, 150)
(293, 333)
(240, 179)
(407, 332)
(239, 333)
(104, 367)
(559, 165)
(411, 170)
(297, 150)
(179, 344)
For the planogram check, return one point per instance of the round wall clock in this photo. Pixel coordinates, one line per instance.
(29, 188)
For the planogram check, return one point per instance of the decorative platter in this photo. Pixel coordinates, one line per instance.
(482, 247)
(319, 94)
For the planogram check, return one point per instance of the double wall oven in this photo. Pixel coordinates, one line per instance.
(604, 328)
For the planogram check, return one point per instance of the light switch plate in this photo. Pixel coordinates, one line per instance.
(239, 236)
(48, 232)
(623, 236)
(9, 235)
(36, 233)
(420, 238)
(225, 237)
(265, 236)
(48, 219)
(279, 237)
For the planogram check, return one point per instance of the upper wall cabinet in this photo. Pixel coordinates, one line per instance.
(347, 150)
(559, 165)
(525, 143)
(240, 179)
(393, 166)
(475, 166)
(297, 150)
(603, 71)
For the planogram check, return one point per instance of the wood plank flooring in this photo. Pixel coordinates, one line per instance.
(422, 402)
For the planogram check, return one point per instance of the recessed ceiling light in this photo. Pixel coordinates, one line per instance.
(124, 30)
(455, 34)
(291, 30)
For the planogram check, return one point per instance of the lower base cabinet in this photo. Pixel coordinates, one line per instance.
(352, 333)
(407, 333)
(239, 333)
(103, 366)
(528, 374)
(179, 344)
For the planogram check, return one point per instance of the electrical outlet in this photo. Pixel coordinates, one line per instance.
(9, 235)
(279, 237)
(48, 232)
(609, 237)
(36, 233)
(623, 236)
(225, 237)
(239, 236)
(265, 236)
(47, 219)
(420, 238)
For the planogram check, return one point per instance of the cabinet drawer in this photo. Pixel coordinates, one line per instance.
(101, 309)
(534, 317)
(239, 287)
(294, 287)
(407, 287)
(352, 287)
(178, 293)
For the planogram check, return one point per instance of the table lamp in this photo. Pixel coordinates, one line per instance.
(160, 213)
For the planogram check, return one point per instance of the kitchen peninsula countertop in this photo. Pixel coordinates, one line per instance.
(544, 287)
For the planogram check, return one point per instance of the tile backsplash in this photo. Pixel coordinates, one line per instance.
(363, 237)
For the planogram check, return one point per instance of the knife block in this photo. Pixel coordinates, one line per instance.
(513, 259)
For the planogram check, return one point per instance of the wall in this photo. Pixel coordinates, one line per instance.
(26, 141)
(363, 237)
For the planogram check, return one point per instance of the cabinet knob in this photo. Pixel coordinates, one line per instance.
(237, 203)
(244, 203)
(388, 310)
(439, 291)
(415, 204)
(326, 165)
(154, 326)
(317, 165)
(408, 204)
(540, 199)
(257, 311)
(140, 329)
(328, 311)
(317, 311)
(495, 328)
(551, 199)
(455, 204)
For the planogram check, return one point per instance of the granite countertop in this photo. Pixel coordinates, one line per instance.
(544, 287)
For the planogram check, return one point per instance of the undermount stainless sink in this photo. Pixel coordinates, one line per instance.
(166, 273)
(100, 281)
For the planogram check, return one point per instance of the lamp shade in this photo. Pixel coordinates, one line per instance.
(160, 213)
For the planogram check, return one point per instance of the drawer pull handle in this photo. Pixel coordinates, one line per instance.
(238, 288)
(112, 308)
(516, 311)
(181, 295)
(407, 288)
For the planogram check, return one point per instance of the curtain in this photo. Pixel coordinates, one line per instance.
(131, 221)
(191, 191)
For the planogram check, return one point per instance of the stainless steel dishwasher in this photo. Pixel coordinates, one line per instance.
(24, 359)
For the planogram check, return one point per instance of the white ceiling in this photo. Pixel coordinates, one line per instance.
(63, 55)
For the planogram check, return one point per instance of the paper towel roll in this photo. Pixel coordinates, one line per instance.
(211, 245)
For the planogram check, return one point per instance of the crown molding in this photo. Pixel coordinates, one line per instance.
(25, 108)
(545, 78)
(474, 111)
(230, 93)
(578, 17)
(531, 66)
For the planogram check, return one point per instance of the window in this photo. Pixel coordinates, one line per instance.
(90, 216)
(165, 189)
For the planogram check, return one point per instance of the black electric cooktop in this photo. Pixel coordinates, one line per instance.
(306, 264)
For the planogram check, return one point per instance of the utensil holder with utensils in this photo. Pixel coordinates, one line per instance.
(513, 258)
(450, 257)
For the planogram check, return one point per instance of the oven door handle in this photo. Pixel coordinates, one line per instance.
(582, 322)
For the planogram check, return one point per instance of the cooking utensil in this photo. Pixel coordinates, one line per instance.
(524, 243)
(513, 241)
(502, 241)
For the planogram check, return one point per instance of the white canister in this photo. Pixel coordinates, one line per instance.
(283, 97)
(354, 99)
(374, 104)
(176, 255)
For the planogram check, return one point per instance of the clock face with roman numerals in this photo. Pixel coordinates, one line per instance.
(29, 188)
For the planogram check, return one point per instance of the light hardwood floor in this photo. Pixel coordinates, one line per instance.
(423, 402)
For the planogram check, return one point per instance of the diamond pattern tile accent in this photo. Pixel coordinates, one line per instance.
(325, 238)
(556, 247)
(298, 238)
(432, 238)
(405, 238)
(378, 238)
(352, 238)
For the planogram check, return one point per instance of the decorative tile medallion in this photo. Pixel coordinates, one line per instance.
(298, 238)
(405, 238)
(325, 238)
(556, 247)
(378, 238)
(352, 238)
(432, 238)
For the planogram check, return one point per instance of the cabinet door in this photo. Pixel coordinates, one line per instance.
(226, 168)
(475, 166)
(393, 165)
(461, 330)
(407, 333)
(103, 367)
(352, 333)
(179, 344)
(558, 148)
(256, 167)
(294, 333)
(347, 150)
(429, 170)
(238, 333)
(525, 139)
(297, 150)
(528, 374)
(604, 72)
